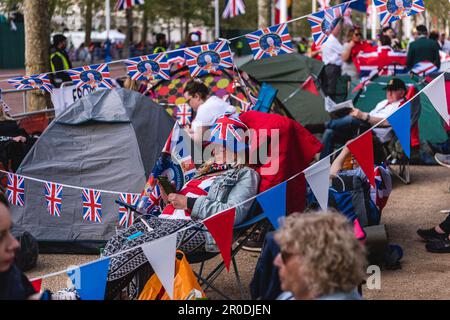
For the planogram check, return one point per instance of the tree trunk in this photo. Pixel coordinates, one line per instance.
(262, 14)
(129, 33)
(88, 26)
(37, 44)
(144, 24)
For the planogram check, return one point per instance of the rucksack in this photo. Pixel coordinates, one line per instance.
(27, 255)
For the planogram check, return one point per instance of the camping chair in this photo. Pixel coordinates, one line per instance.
(241, 233)
(266, 95)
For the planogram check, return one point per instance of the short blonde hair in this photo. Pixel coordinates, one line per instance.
(331, 258)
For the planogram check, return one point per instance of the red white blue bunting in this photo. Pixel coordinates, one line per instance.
(149, 67)
(92, 77)
(393, 10)
(208, 58)
(270, 42)
(39, 81)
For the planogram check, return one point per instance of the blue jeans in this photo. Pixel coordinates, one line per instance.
(340, 131)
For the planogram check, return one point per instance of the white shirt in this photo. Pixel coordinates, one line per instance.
(332, 51)
(384, 110)
(208, 112)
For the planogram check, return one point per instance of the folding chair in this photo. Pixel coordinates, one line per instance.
(242, 232)
(266, 95)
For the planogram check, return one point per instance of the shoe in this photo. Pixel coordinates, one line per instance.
(255, 242)
(443, 159)
(431, 235)
(66, 294)
(442, 246)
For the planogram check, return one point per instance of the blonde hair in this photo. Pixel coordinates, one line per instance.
(331, 258)
(131, 84)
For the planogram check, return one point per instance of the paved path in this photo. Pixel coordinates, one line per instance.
(423, 276)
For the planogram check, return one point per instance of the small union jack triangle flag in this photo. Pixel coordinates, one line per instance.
(92, 205)
(229, 131)
(126, 217)
(393, 10)
(323, 22)
(184, 114)
(208, 58)
(92, 77)
(39, 81)
(233, 8)
(270, 42)
(149, 67)
(15, 190)
(53, 197)
(125, 4)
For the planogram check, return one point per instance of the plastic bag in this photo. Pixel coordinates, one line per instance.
(186, 286)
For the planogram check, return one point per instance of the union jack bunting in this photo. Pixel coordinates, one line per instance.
(233, 8)
(323, 22)
(53, 197)
(126, 218)
(125, 4)
(184, 114)
(393, 10)
(15, 190)
(270, 42)
(149, 67)
(208, 58)
(38, 81)
(92, 77)
(92, 205)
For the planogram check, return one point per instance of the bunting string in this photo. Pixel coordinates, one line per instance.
(198, 223)
(181, 49)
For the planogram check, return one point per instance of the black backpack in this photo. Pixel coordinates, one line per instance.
(27, 255)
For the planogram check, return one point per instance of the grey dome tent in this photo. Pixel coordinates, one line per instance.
(108, 140)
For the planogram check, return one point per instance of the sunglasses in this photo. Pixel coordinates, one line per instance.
(358, 34)
(285, 256)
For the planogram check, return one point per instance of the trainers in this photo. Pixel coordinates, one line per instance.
(442, 246)
(431, 235)
(443, 159)
(66, 294)
(255, 242)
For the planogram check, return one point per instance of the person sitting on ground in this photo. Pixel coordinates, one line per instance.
(206, 107)
(319, 258)
(346, 128)
(222, 182)
(423, 49)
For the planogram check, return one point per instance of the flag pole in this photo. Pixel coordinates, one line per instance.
(283, 11)
(314, 5)
(217, 19)
(107, 17)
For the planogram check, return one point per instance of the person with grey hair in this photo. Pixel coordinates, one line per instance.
(320, 257)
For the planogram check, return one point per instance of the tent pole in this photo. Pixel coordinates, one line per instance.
(217, 19)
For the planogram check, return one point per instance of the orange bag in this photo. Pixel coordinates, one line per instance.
(185, 286)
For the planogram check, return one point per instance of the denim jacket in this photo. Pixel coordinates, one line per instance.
(227, 190)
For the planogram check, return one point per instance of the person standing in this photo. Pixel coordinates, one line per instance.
(423, 50)
(59, 60)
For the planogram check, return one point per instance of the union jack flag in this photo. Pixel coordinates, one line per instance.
(92, 77)
(323, 22)
(270, 42)
(393, 10)
(15, 190)
(125, 4)
(184, 114)
(92, 205)
(126, 217)
(149, 67)
(227, 127)
(424, 68)
(233, 8)
(53, 196)
(38, 81)
(208, 58)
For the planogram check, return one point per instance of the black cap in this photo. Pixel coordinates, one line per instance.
(395, 84)
(58, 38)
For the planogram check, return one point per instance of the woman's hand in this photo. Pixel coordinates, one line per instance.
(178, 201)
(164, 196)
(358, 114)
(20, 139)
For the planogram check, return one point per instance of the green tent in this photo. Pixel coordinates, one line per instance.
(431, 125)
(287, 73)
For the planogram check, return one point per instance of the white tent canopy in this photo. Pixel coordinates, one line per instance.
(77, 37)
